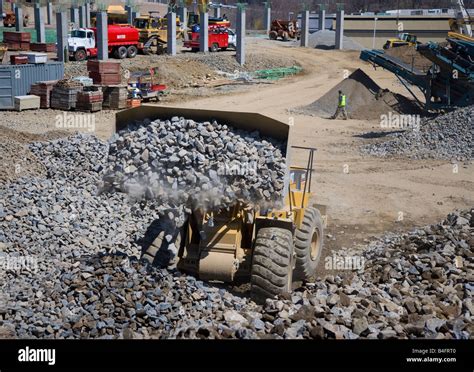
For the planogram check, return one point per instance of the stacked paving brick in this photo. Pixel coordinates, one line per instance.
(90, 99)
(17, 40)
(64, 94)
(18, 60)
(115, 97)
(104, 72)
(43, 47)
(43, 89)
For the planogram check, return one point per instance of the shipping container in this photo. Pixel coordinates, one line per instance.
(16, 80)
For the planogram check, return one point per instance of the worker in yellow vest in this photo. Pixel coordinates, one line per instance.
(341, 107)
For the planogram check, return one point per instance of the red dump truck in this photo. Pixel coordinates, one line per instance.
(123, 42)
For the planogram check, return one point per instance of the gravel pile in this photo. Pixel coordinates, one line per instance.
(449, 136)
(17, 160)
(366, 100)
(70, 268)
(198, 165)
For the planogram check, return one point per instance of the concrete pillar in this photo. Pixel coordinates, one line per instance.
(19, 19)
(61, 32)
(128, 9)
(13, 7)
(204, 32)
(304, 28)
(241, 17)
(340, 29)
(88, 14)
(49, 13)
(102, 37)
(183, 17)
(268, 19)
(171, 32)
(82, 16)
(39, 25)
(75, 16)
(322, 20)
(217, 12)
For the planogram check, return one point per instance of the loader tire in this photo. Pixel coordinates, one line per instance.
(156, 254)
(273, 35)
(308, 244)
(272, 264)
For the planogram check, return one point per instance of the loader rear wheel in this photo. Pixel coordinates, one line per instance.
(273, 262)
(273, 35)
(308, 244)
(214, 48)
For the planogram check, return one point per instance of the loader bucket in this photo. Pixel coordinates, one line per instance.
(239, 120)
(247, 121)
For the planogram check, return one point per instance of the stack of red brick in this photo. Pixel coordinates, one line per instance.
(18, 60)
(104, 72)
(17, 40)
(90, 99)
(43, 47)
(43, 90)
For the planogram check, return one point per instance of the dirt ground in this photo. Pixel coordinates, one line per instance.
(365, 196)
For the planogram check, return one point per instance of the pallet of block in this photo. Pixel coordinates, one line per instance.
(115, 97)
(43, 89)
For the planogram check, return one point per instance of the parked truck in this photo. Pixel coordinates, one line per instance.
(123, 42)
(218, 39)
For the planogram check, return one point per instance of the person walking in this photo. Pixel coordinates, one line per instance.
(341, 107)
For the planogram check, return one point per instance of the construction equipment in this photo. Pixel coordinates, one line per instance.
(461, 26)
(141, 86)
(153, 33)
(272, 247)
(404, 39)
(218, 39)
(122, 42)
(284, 30)
(450, 81)
(10, 19)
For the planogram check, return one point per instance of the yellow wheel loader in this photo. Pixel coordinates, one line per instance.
(153, 33)
(271, 246)
(404, 39)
